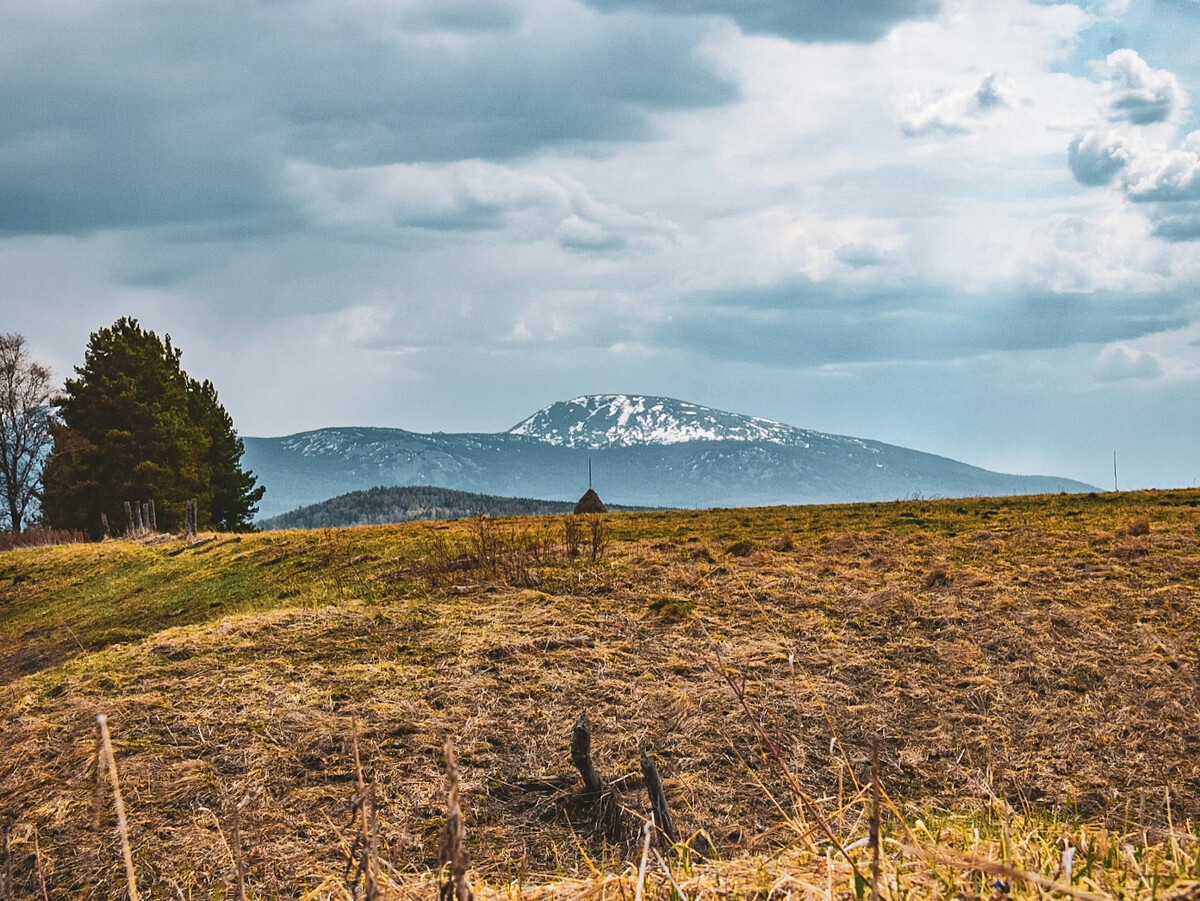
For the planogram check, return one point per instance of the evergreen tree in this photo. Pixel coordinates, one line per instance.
(133, 427)
(234, 497)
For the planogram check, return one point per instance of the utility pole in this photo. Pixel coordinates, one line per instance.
(1115, 488)
(589, 473)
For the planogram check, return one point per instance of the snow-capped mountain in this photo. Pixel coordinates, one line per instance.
(644, 451)
(612, 420)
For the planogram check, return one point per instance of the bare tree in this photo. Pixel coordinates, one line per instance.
(25, 393)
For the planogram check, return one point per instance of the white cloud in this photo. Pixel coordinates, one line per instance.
(1165, 176)
(1096, 157)
(957, 113)
(1139, 94)
(1132, 147)
(468, 197)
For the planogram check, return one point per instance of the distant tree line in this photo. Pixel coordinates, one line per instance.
(404, 504)
(131, 425)
(377, 506)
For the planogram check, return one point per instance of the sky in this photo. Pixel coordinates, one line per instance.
(970, 227)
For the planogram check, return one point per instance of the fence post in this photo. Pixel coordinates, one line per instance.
(137, 517)
(153, 518)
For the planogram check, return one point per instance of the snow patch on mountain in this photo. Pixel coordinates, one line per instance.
(625, 420)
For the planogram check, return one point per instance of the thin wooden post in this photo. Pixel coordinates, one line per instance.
(153, 518)
(104, 524)
(137, 517)
(129, 518)
(667, 836)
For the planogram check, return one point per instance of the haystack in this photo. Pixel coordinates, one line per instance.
(590, 503)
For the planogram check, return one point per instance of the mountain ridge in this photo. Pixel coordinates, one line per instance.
(678, 455)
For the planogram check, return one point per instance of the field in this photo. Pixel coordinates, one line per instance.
(1027, 666)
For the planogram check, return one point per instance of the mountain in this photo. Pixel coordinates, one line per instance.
(411, 502)
(620, 420)
(644, 451)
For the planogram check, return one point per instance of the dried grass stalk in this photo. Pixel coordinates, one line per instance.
(452, 856)
(110, 764)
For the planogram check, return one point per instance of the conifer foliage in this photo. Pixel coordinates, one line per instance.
(134, 426)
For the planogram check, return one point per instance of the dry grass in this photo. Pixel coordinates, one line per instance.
(1042, 697)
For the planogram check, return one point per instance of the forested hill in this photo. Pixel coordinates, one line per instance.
(404, 504)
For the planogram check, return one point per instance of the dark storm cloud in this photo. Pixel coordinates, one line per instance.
(802, 323)
(133, 114)
(797, 20)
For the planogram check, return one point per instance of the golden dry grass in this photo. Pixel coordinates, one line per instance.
(1029, 665)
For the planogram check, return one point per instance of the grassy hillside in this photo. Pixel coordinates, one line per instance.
(1029, 666)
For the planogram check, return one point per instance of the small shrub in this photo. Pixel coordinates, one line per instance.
(785, 543)
(40, 538)
(740, 549)
(572, 535)
(599, 539)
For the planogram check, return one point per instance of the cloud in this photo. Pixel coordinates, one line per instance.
(1139, 94)
(1161, 178)
(799, 323)
(797, 20)
(957, 113)
(467, 197)
(1119, 151)
(131, 114)
(1166, 176)
(461, 16)
(1096, 157)
(1120, 362)
(1181, 226)
(857, 255)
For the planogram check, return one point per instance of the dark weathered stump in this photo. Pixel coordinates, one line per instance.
(597, 795)
(581, 756)
(666, 835)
